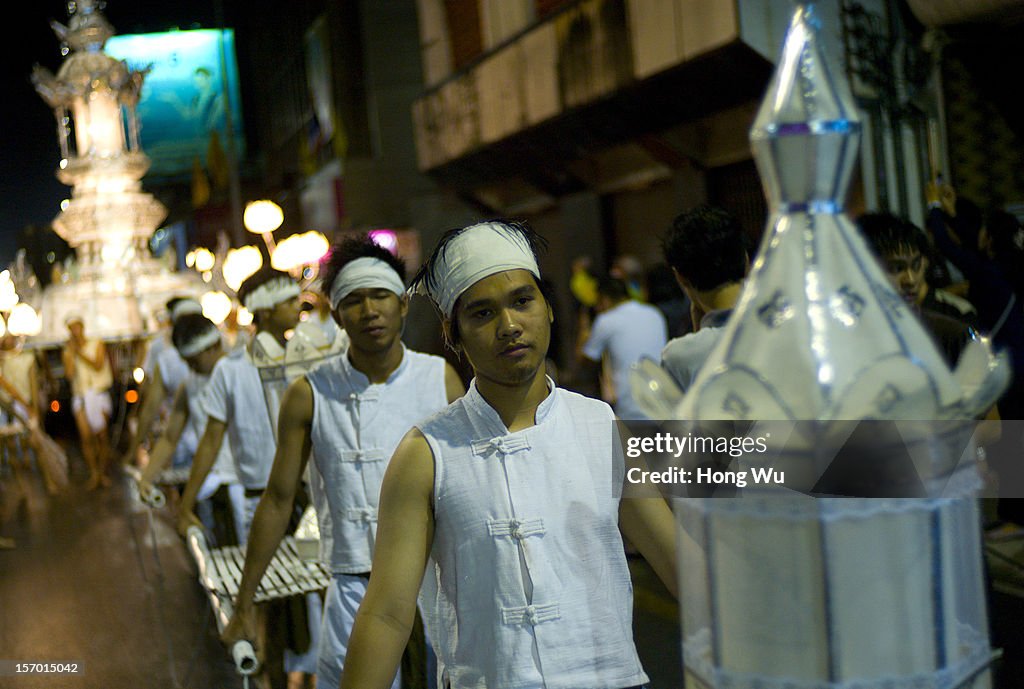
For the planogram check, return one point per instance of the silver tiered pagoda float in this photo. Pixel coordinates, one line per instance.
(781, 588)
(116, 284)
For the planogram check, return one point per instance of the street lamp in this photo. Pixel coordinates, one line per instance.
(239, 264)
(204, 260)
(24, 321)
(8, 294)
(262, 218)
(299, 250)
(16, 317)
(243, 317)
(216, 306)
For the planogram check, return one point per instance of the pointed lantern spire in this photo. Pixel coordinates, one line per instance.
(818, 332)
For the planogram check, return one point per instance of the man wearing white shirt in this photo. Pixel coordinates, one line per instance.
(625, 331)
(348, 414)
(235, 404)
(508, 500)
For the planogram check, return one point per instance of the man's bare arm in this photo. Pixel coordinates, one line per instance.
(649, 525)
(271, 519)
(202, 462)
(164, 449)
(153, 395)
(405, 534)
(13, 392)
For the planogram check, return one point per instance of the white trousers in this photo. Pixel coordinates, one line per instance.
(97, 405)
(344, 594)
(307, 662)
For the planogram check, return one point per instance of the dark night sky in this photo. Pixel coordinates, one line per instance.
(29, 190)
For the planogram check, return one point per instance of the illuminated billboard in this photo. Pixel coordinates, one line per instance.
(191, 87)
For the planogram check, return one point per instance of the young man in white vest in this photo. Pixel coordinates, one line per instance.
(508, 500)
(165, 372)
(235, 405)
(234, 398)
(199, 343)
(351, 411)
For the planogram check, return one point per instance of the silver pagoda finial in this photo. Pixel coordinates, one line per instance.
(782, 590)
(819, 333)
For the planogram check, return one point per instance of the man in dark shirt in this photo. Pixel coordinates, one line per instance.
(898, 245)
(908, 257)
(958, 228)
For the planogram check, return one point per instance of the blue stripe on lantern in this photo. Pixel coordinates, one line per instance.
(937, 600)
(826, 596)
(716, 655)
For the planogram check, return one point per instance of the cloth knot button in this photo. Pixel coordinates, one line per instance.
(368, 454)
(505, 445)
(364, 515)
(518, 529)
(531, 614)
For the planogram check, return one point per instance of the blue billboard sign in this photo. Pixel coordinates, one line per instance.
(191, 86)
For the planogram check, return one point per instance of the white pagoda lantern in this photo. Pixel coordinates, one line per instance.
(109, 218)
(782, 590)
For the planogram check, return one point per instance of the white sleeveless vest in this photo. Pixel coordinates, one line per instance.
(527, 584)
(173, 369)
(356, 428)
(224, 464)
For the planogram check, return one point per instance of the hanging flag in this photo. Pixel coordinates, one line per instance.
(339, 137)
(217, 162)
(307, 163)
(200, 184)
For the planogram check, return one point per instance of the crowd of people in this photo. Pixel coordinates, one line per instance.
(414, 476)
(420, 477)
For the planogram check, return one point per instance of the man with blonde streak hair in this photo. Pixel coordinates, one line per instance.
(508, 501)
(350, 413)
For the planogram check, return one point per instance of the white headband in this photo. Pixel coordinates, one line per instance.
(185, 306)
(271, 293)
(73, 318)
(200, 343)
(477, 252)
(365, 273)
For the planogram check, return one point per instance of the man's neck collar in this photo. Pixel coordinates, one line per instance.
(377, 366)
(516, 405)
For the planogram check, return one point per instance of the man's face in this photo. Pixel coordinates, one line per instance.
(504, 327)
(76, 329)
(906, 268)
(286, 314)
(203, 362)
(373, 318)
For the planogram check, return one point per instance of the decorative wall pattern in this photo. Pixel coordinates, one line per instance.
(986, 156)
